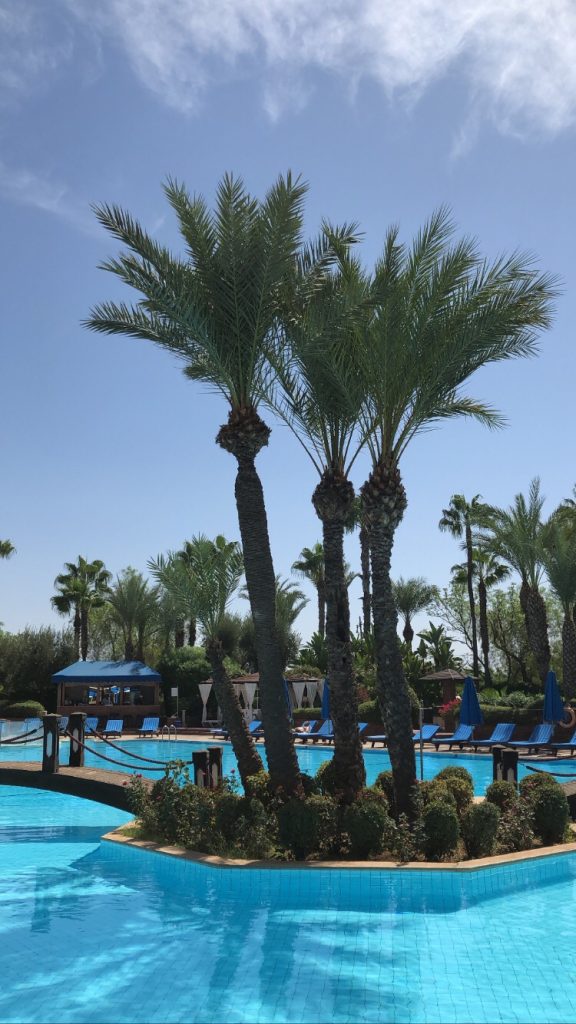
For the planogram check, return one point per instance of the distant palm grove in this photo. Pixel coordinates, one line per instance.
(354, 361)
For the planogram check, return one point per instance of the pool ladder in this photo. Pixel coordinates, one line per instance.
(166, 732)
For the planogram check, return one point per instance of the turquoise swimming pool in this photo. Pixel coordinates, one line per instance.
(99, 934)
(310, 758)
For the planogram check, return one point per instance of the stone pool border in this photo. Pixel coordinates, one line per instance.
(213, 861)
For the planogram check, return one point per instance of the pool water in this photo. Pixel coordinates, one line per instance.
(94, 933)
(310, 758)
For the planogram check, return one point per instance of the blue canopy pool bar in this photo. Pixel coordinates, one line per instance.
(129, 688)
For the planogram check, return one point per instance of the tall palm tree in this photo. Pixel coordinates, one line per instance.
(488, 571)
(134, 604)
(6, 549)
(410, 597)
(460, 519)
(363, 537)
(185, 554)
(310, 566)
(441, 313)
(319, 394)
(559, 558)
(80, 589)
(216, 308)
(206, 582)
(516, 537)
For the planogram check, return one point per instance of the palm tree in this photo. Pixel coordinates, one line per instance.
(410, 597)
(488, 571)
(459, 519)
(6, 549)
(82, 588)
(319, 394)
(516, 537)
(310, 565)
(441, 313)
(185, 554)
(135, 607)
(206, 581)
(363, 536)
(216, 308)
(559, 558)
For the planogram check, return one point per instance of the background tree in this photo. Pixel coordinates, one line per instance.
(462, 519)
(207, 581)
(81, 589)
(310, 566)
(6, 549)
(441, 312)
(290, 601)
(134, 606)
(216, 308)
(29, 658)
(516, 537)
(487, 571)
(410, 597)
(559, 558)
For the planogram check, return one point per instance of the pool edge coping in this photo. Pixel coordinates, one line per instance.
(213, 861)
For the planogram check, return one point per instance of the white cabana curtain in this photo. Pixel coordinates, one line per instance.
(311, 689)
(299, 692)
(250, 691)
(204, 693)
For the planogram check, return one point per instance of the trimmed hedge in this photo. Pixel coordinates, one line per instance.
(441, 830)
(480, 828)
(24, 709)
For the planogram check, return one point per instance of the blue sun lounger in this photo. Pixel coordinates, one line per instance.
(63, 723)
(325, 732)
(540, 737)
(362, 726)
(113, 727)
(306, 729)
(567, 745)
(149, 727)
(462, 735)
(502, 733)
(90, 725)
(428, 731)
(254, 728)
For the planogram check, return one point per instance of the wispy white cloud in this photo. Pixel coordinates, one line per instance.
(28, 54)
(29, 189)
(518, 57)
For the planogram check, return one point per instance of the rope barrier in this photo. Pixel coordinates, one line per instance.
(23, 738)
(123, 764)
(140, 757)
(541, 771)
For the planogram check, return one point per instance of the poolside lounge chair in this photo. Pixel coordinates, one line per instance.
(305, 728)
(325, 732)
(428, 731)
(149, 727)
(113, 727)
(500, 734)
(462, 735)
(63, 723)
(540, 737)
(362, 726)
(254, 729)
(90, 725)
(567, 745)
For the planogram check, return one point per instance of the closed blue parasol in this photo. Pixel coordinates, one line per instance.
(470, 713)
(553, 706)
(326, 700)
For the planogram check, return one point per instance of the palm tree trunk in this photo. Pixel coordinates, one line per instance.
(84, 633)
(179, 635)
(129, 647)
(537, 626)
(244, 435)
(332, 500)
(569, 656)
(365, 569)
(321, 591)
(191, 631)
(384, 502)
(408, 633)
(470, 585)
(248, 758)
(484, 635)
(77, 630)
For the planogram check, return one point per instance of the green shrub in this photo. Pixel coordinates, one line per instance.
(258, 787)
(369, 711)
(531, 784)
(503, 795)
(550, 814)
(385, 782)
(308, 826)
(490, 695)
(441, 830)
(24, 709)
(196, 827)
(432, 791)
(479, 829)
(368, 825)
(309, 784)
(325, 778)
(229, 808)
(256, 832)
(459, 782)
(300, 715)
(514, 830)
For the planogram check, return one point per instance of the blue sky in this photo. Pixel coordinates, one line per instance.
(387, 109)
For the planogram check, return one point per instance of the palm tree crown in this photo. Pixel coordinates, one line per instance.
(410, 597)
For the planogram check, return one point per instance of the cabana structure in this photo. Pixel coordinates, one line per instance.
(120, 689)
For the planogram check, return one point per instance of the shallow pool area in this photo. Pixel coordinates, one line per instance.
(309, 756)
(97, 933)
